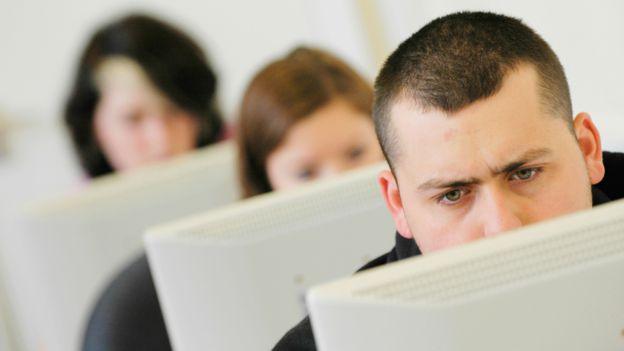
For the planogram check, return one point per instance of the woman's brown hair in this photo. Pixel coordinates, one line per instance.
(281, 94)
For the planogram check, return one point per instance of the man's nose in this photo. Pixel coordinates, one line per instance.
(500, 213)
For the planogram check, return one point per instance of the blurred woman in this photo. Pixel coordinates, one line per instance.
(303, 117)
(143, 92)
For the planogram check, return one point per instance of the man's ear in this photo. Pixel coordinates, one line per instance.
(590, 145)
(390, 191)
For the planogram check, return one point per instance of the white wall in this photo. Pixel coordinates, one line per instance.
(41, 40)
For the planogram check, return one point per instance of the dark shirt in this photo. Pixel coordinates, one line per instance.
(127, 316)
(301, 337)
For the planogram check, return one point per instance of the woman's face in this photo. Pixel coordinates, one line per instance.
(134, 123)
(333, 139)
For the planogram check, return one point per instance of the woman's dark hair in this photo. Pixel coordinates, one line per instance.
(283, 93)
(172, 61)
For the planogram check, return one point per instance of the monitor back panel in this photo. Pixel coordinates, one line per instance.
(68, 250)
(235, 279)
(557, 285)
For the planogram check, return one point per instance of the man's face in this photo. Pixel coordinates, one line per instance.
(497, 164)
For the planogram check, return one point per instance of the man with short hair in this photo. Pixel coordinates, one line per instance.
(474, 116)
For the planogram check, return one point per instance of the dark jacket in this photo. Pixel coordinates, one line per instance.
(127, 316)
(301, 338)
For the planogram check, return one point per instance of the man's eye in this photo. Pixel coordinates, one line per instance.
(524, 174)
(451, 197)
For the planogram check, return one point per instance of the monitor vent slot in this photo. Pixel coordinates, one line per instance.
(505, 267)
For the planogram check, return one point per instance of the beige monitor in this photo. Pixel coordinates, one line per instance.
(234, 278)
(4, 331)
(557, 285)
(66, 250)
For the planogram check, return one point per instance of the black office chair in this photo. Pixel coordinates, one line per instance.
(127, 317)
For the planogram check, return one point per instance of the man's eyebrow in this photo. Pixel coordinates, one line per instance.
(526, 157)
(439, 183)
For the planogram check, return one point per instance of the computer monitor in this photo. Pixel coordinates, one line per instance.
(557, 285)
(67, 250)
(234, 278)
(4, 334)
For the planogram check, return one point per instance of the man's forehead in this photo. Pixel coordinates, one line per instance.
(421, 132)
(513, 110)
(436, 146)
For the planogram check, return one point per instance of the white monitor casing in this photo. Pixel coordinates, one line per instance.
(235, 278)
(555, 285)
(66, 250)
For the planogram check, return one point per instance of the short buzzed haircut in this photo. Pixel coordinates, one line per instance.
(460, 58)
